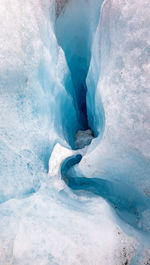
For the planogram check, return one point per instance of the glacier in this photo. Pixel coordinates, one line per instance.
(74, 132)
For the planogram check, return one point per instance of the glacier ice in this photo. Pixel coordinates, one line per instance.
(70, 71)
(76, 41)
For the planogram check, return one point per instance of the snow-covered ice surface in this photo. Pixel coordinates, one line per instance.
(60, 206)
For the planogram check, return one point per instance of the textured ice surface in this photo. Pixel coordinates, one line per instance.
(33, 73)
(53, 210)
(119, 71)
(124, 88)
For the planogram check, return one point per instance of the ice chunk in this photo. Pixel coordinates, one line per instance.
(83, 138)
(58, 155)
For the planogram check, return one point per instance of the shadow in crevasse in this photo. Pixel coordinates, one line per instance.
(75, 26)
(128, 203)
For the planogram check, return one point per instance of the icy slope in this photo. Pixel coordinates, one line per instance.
(33, 72)
(66, 66)
(119, 70)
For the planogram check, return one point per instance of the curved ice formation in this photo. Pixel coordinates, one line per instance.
(127, 202)
(67, 66)
(60, 153)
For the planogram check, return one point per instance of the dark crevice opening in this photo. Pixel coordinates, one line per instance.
(73, 33)
(81, 106)
(75, 27)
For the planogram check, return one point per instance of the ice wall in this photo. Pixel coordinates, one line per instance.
(33, 72)
(121, 44)
(119, 69)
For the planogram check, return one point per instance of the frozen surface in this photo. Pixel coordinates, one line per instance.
(33, 70)
(67, 66)
(119, 69)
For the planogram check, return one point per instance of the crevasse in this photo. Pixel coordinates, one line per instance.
(67, 66)
(75, 30)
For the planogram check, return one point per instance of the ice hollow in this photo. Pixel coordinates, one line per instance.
(75, 27)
